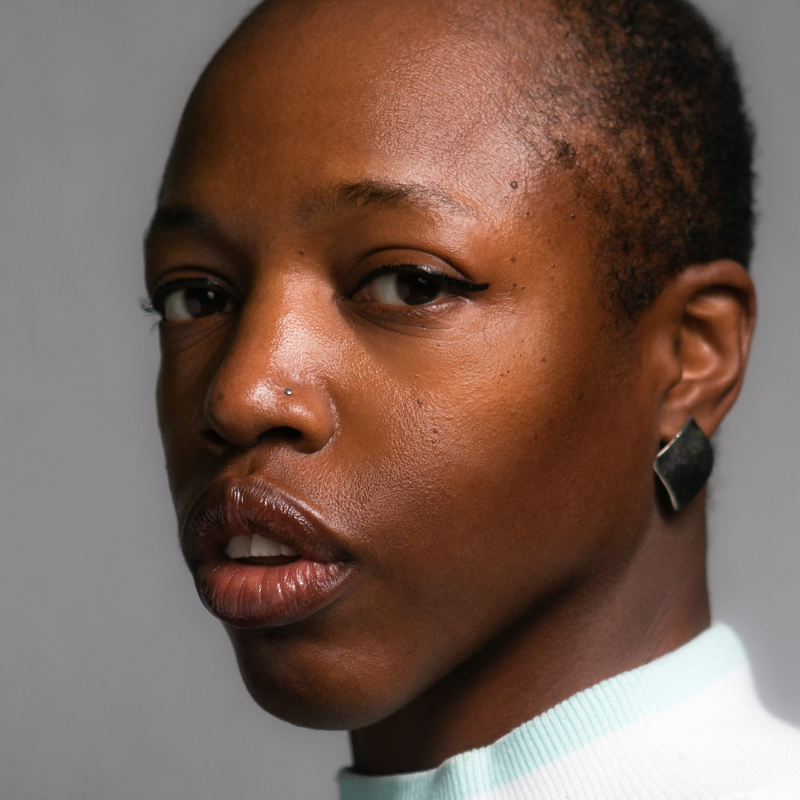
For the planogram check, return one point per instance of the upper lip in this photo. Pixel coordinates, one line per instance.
(228, 508)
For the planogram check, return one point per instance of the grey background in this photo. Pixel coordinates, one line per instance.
(115, 683)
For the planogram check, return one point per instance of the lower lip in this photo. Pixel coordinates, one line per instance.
(255, 596)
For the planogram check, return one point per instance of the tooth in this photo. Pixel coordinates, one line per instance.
(259, 547)
(238, 547)
(287, 551)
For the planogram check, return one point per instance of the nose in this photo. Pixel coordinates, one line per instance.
(269, 385)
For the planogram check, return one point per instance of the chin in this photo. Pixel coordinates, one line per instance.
(312, 686)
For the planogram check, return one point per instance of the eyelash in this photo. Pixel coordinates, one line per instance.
(153, 304)
(457, 284)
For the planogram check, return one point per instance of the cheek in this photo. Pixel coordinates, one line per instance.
(188, 362)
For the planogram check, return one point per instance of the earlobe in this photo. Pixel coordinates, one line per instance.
(712, 307)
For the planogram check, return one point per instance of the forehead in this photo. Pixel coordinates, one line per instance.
(325, 93)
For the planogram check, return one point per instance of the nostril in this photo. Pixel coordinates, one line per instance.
(282, 433)
(213, 439)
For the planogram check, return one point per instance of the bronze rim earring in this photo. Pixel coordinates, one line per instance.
(683, 466)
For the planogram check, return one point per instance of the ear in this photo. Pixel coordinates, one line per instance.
(700, 328)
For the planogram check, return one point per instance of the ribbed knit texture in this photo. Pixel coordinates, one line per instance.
(687, 726)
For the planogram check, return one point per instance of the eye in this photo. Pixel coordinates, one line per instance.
(410, 285)
(180, 301)
(402, 289)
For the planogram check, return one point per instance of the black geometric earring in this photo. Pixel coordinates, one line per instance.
(683, 466)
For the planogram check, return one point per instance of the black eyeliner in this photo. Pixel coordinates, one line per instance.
(460, 284)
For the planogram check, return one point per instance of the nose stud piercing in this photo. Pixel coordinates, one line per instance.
(683, 466)
(288, 391)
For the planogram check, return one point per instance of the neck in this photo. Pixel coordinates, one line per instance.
(610, 622)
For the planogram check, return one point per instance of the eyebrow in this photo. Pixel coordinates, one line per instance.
(341, 197)
(169, 218)
(331, 200)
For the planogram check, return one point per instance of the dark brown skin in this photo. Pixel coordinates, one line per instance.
(485, 458)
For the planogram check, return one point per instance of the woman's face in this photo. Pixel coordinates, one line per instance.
(383, 349)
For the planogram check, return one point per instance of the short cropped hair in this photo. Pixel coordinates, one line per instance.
(659, 139)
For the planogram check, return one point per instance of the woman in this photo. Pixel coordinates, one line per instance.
(452, 295)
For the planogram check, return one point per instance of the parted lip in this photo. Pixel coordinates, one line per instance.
(230, 507)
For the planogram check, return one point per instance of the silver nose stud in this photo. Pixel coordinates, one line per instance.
(288, 391)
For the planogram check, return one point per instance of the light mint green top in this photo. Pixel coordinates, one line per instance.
(566, 740)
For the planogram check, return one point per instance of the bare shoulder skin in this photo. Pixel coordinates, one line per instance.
(384, 348)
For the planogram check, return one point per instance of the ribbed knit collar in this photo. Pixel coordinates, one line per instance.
(587, 716)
